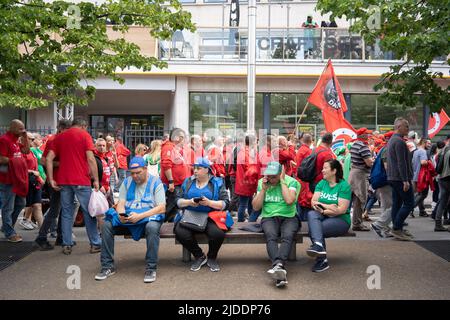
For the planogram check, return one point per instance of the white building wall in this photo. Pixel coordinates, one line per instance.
(180, 105)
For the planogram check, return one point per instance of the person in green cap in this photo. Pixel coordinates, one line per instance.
(276, 197)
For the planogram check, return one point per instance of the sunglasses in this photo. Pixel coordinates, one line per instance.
(198, 167)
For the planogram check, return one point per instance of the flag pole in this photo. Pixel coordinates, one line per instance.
(300, 119)
(307, 102)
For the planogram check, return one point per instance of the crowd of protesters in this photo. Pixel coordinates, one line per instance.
(70, 165)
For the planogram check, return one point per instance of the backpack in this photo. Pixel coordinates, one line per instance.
(307, 169)
(378, 176)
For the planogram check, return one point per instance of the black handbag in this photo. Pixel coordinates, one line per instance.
(194, 220)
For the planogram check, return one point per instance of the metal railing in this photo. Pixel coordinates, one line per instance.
(42, 130)
(272, 44)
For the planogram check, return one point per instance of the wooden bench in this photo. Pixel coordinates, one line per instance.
(238, 236)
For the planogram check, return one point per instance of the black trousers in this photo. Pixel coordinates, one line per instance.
(187, 238)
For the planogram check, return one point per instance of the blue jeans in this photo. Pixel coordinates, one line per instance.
(245, 202)
(402, 204)
(371, 200)
(321, 227)
(51, 215)
(151, 234)
(279, 227)
(83, 194)
(12, 205)
(302, 212)
(254, 216)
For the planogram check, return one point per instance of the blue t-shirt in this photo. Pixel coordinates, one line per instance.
(195, 192)
(419, 155)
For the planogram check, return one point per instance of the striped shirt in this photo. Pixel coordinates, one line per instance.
(360, 151)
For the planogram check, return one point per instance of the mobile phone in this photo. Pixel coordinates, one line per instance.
(321, 206)
(197, 199)
(123, 214)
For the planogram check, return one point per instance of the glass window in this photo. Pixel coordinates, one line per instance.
(214, 1)
(286, 109)
(216, 109)
(363, 111)
(187, 1)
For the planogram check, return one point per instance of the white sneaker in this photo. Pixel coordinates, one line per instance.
(26, 225)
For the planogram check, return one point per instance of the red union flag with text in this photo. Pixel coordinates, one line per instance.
(327, 96)
(437, 122)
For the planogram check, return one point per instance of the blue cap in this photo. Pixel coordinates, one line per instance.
(137, 162)
(202, 162)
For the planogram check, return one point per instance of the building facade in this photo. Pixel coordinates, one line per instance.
(206, 77)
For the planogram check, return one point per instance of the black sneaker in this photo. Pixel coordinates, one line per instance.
(316, 251)
(44, 245)
(95, 249)
(279, 273)
(198, 263)
(281, 283)
(378, 230)
(320, 265)
(67, 250)
(423, 214)
(213, 265)
(105, 273)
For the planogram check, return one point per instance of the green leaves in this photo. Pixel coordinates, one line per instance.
(44, 58)
(416, 29)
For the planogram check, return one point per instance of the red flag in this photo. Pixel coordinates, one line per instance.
(327, 96)
(437, 122)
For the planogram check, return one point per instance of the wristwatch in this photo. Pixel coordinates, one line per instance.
(170, 181)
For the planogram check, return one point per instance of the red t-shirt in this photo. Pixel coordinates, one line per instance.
(321, 158)
(10, 148)
(172, 158)
(31, 160)
(50, 145)
(122, 154)
(70, 147)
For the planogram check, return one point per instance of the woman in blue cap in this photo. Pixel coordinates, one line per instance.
(202, 193)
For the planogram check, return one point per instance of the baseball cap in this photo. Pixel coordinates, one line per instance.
(202, 162)
(273, 168)
(137, 162)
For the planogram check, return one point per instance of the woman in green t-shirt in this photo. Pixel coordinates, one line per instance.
(330, 216)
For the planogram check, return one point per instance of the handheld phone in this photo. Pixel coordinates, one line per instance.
(321, 206)
(123, 214)
(197, 199)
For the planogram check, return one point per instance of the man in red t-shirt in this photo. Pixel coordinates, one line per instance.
(174, 169)
(55, 195)
(122, 156)
(75, 151)
(324, 153)
(11, 150)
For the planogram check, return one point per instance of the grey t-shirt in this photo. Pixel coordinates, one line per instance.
(160, 195)
(419, 155)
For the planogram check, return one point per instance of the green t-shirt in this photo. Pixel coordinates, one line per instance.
(274, 204)
(38, 154)
(330, 195)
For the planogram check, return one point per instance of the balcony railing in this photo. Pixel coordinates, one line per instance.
(272, 44)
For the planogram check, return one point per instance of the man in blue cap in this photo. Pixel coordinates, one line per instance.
(277, 197)
(140, 211)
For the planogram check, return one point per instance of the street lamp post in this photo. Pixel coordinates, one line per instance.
(251, 65)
